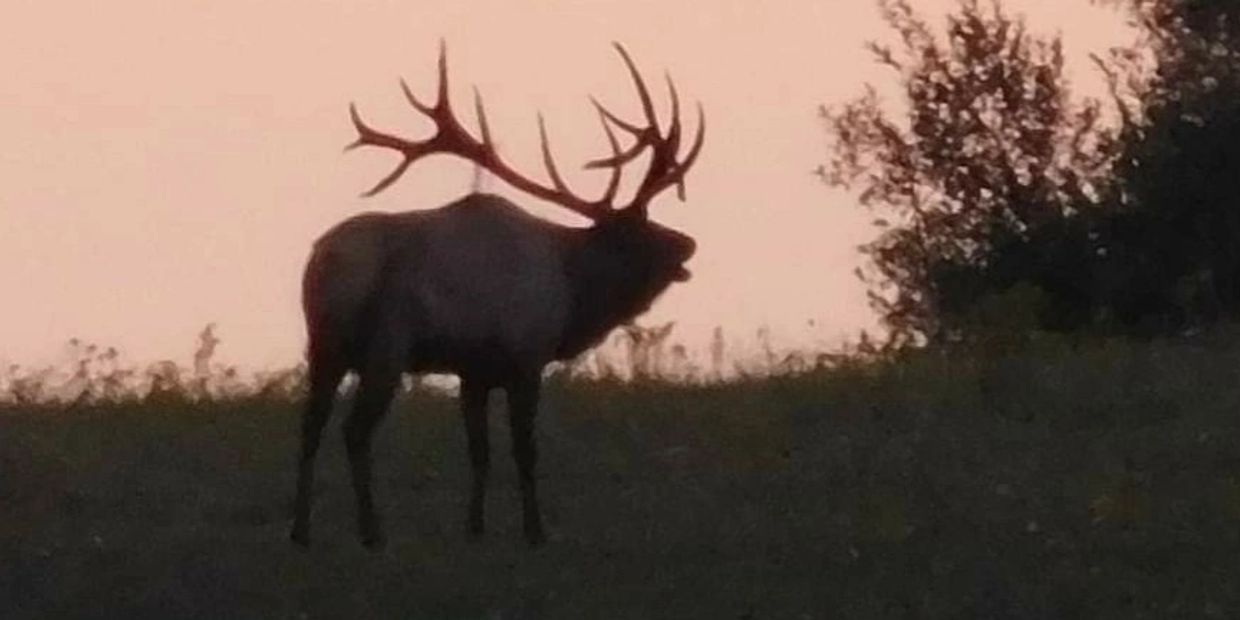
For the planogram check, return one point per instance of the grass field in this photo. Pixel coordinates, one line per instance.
(1101, 482)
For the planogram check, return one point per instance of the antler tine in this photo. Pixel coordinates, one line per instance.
(413, 101)
(442, 96)
(483, 127)
(618, 158)
(548, 160)
(614, 183)
(684, 166)
(642, 92)
(443, 102)
(389, 179)
(364, 133)
(366, 136)
(619, 122)
(673, 131)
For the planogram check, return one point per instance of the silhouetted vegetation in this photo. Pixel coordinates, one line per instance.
(989, 157)
(1176, 227)
(95, 375)
(90, 374)
(1009, 206)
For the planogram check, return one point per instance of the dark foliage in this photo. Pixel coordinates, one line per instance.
(981, 177)
(1178, 175)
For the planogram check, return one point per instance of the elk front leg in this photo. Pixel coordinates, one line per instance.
(325, 377)
(374, 395)
(474, 409)
(522, 409)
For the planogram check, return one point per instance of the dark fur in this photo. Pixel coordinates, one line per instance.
(478, 288)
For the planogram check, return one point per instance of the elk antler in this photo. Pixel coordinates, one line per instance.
(664, 170)
(451, 137)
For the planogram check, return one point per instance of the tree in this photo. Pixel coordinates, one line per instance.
(1178, 174)
(981, 180)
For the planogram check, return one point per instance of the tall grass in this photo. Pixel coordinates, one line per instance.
(1031, 477)
(89, 373)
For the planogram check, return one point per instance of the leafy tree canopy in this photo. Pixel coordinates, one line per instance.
(988, 153)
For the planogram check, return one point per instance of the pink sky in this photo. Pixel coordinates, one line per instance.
(169, 163)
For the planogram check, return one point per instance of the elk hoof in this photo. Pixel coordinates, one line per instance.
(300, 535)
(375, 541)
(535, 536)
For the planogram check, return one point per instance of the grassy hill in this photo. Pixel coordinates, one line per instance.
(1095, 481)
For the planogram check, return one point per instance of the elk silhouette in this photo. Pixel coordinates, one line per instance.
(482, 289)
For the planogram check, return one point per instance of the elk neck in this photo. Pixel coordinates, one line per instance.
(611, 284)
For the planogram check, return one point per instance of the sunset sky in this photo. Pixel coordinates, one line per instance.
(168, 163)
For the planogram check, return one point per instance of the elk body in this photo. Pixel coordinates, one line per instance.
(481, 289)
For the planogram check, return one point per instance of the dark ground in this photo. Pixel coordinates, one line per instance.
(1064, 484)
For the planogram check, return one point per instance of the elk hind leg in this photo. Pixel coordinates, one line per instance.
(374, 396)
(522, 408)
(474, 410)
(325, 375)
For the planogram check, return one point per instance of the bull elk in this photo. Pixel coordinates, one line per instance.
(482, 289)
